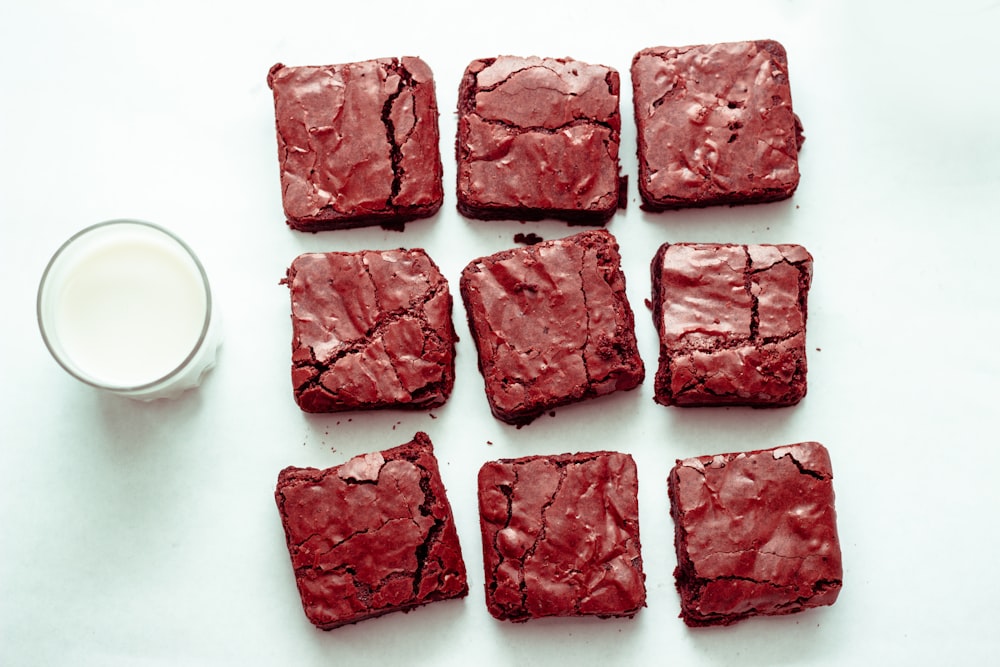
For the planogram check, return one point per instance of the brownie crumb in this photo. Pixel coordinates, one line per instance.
(527, 239)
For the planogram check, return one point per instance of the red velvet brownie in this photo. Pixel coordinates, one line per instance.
(358, 143)
(561, 536)
(715, 125)
(756, 533)
(732, 323)
(538, 138)
(370, 330)
(372, 536)
(552, 324)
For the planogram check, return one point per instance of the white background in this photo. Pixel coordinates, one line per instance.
(147, 534)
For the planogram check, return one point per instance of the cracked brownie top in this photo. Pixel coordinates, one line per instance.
(371, 536)
(732, 321)
(552, 324)
(715, 125)
(358, 144)
(561, 536)
(755, 533)
(537, 138)
(370, 329)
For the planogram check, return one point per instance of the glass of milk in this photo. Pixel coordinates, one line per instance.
(125, 306)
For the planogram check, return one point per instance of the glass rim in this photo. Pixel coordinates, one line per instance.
(54, 349)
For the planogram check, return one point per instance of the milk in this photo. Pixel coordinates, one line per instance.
(126, 306)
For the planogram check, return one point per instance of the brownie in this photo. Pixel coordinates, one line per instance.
(715, 125)
(371, 536)
(538, 138)
(370, 329)
(561, 536)
(732, 323)
(358, 143)
(755, 532)
(552, 324)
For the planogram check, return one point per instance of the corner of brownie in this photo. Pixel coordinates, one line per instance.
(731, 321)
(358, 143)
(755, 534)
(561, 536)
(715, 125)
(538, 138)
(371, 536)
(552, 324)
(370, 330)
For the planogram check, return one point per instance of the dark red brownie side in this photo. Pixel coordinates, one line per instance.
(358, 143)
(732, 323)
(561, 536)
(715, 125)
(755, 533)
(552, 324)
(370, 330)
(538, 138)
(372, 536)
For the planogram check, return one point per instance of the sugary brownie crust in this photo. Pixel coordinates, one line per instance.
(371, 536)
(370, 330)
(538, 138)
(755, 533)
(358, 144)
(715, 125)
(552, 324)
(561, 536)
(731, 321)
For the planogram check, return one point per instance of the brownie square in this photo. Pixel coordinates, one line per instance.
(552, 324)
(732, 323)
(372, 536)
(358, 143)
(538, 138)
(715, 125)
(370, 330)
(755, 532)
(561, 536)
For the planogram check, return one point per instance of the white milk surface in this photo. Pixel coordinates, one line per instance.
(128, 306)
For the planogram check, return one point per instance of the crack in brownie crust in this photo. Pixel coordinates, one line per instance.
(715, 125)
(755, 533)
(538, 138)
(372, 536)
(552, 324)
(371, 329)
(561, 536)
(731, 321)
(358, 144)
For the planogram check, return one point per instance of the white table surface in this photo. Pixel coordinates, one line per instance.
(147, 534)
